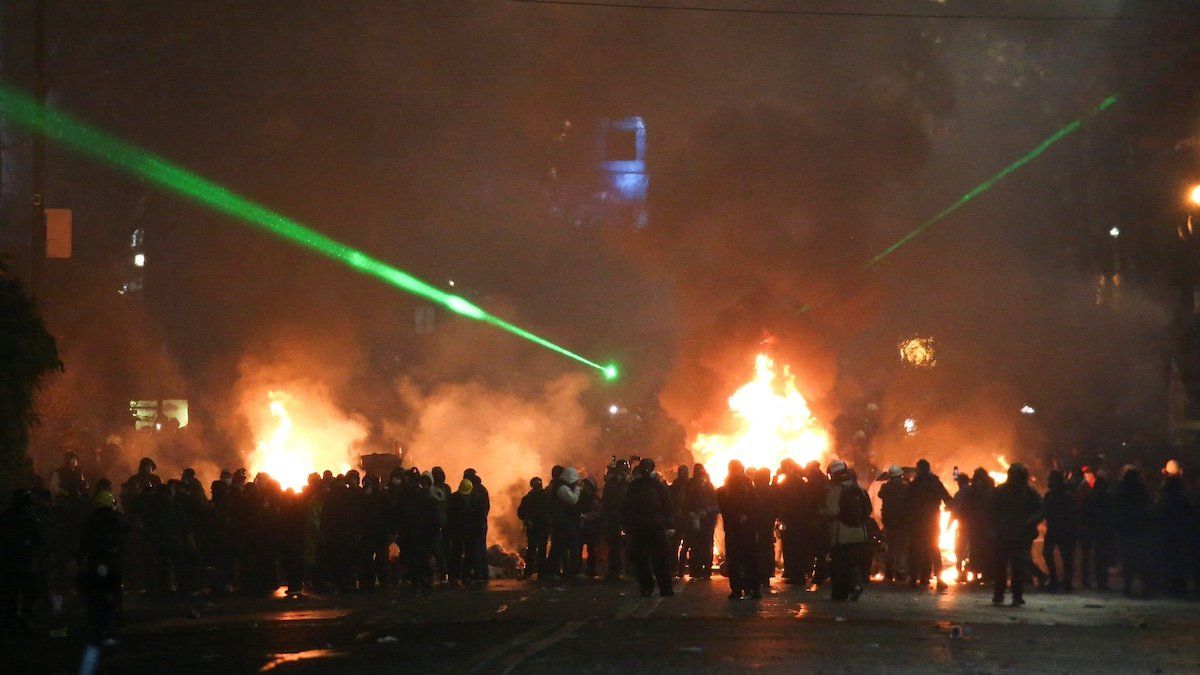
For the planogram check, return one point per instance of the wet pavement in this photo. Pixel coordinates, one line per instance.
(603, 627)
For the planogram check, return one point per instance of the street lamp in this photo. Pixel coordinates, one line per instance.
(1115, 232)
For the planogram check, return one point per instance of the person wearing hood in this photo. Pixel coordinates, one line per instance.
(99, 561)
(646, 514)
(847, 509)
(1016, 511)
(925, 495)
(741, 511)
(564, 523)
(533, 515)
(892, 495)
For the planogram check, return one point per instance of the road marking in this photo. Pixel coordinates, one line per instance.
(504, 657)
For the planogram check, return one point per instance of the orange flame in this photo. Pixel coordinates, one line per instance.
(288, 456)
(773, 423)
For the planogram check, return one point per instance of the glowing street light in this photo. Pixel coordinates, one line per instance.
(1115, 232)
(1027, 410)
(1194, 195)
(910, 426)
(613, 409)
(139, 260)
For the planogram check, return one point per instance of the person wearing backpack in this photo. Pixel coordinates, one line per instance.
(847, 508)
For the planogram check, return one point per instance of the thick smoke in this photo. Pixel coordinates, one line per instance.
(506, 437)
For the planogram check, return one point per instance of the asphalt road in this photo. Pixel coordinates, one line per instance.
(597, 627)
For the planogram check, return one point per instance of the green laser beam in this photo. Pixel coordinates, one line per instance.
(65, 129)
(999, 176)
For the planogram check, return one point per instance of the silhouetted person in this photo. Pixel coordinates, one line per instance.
(677, 556)
(815, 532)
(925, 495)
(440, 491)
(740, 513)
(590, 525)
(564, 523)
(67, 480)
(1173, 518)
(1016, 511)
(99, 560)
(420, 530)
(616, 484)
(1062, 524)
(533, 514)
(482, 504)
(1095, 529)
(892, 513)
(1131, 517)
(702, 509)
(789, 487)
(764, 547)
(647, 514)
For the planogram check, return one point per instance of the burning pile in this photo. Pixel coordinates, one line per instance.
(289, 450)
(772, 422)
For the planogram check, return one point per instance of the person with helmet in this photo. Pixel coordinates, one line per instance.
(532, 512)
(647, 516)
(847, 509)
(741, 511)
(99, 561)
(892, 495)
(1016, 511)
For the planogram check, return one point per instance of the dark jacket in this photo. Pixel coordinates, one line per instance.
(1062, 517)
(924, 495)
(533, 510)
(893, 494)
(1016, 511)
(647, 506)
(740, 508)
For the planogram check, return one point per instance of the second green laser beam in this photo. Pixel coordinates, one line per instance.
(61, 127)
(999, 176)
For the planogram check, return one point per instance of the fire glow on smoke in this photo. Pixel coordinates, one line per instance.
(289, 449)
(772, 422)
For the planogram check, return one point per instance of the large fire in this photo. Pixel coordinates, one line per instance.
(289, 455)
(772, 423)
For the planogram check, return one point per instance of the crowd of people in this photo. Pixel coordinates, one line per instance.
(823, 526)
(814, 525)
(175, 538)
